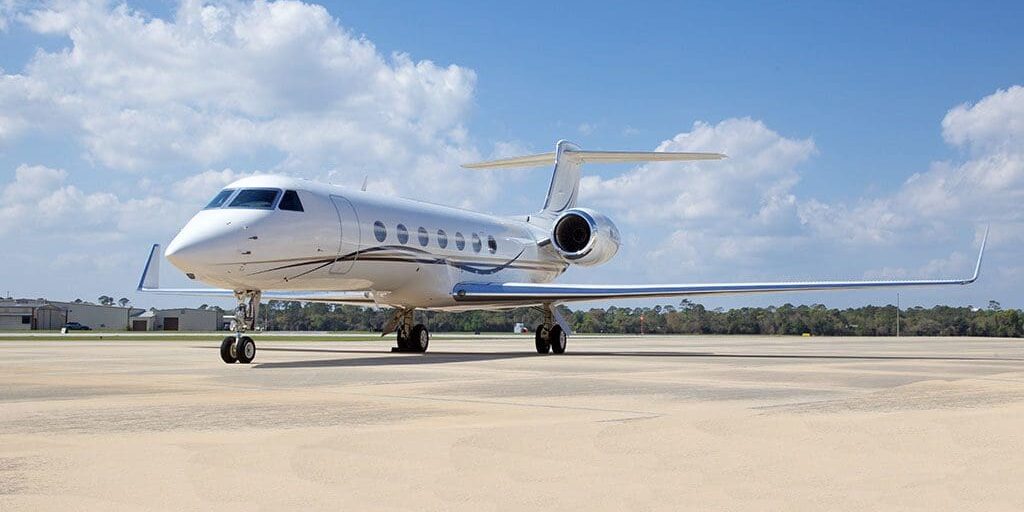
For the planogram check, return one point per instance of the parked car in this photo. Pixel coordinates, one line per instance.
(75, 326)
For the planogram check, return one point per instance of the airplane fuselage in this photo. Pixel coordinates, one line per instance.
(406, 252)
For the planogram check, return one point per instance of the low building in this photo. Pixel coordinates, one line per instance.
(181, 319)
(97, 316)
(41, 314)
(26, 315)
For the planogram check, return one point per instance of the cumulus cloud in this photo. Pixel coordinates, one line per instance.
(224, 81)
(743, 214)
(753, 184)
(40, 202)
(7, 9)
(986, 187)
(719, 210)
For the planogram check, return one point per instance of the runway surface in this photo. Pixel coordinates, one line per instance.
(617, 423)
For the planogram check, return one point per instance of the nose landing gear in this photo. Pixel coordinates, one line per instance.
(240, 348)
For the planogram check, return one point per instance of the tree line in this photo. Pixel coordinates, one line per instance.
(686, 317)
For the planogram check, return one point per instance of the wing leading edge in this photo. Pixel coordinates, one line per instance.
(530, 293)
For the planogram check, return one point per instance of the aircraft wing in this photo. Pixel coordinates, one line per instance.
(531, 293)
(150, 283)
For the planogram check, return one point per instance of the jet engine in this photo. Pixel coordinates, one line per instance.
(584, 237)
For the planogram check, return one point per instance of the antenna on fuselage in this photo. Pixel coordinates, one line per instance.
(365, 179)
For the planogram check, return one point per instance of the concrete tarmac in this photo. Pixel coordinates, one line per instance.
(617, 423)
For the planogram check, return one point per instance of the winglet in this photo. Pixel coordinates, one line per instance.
(981, 253)
(150, 279)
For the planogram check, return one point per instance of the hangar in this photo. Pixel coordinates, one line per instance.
(181, 319)
(42, 314)
(32, 314)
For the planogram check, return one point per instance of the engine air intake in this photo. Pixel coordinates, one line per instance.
(572, 233)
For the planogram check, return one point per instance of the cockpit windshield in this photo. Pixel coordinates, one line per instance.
(220, 198)
(263, 198)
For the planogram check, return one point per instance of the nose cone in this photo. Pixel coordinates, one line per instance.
(188, 250)
(206, 240)
(211, 238)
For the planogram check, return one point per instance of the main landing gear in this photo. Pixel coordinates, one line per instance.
(411, 337)
(241, 348)
(550, 337)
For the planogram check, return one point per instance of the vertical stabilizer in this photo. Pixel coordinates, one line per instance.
(565, 180)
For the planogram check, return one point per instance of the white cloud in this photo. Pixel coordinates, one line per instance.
(227, 80)
(727, 211)
(743, 216)
(199, 187)
(986, 187)
(7, 10)
(38, 202)
(753, 184)
(995, 123)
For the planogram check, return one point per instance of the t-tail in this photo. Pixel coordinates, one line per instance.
(568, 159)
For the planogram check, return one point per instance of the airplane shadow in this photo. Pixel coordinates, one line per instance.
(432, 358)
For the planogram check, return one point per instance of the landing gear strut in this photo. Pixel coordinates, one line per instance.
(241, 348)
(550, 337)
(411, 337)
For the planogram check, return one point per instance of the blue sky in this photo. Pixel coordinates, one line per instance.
(838, 106)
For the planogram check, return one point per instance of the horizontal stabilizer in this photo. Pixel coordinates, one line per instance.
(568, 159)
(581, 156)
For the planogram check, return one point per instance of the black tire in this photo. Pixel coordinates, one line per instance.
(557, 339)
(403, 339)
(245, 350)
(419, 339)
(227, 350)
(541, 339)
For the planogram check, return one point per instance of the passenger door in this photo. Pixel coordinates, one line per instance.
(348, 226)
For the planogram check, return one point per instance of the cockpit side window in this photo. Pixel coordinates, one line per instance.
(261, 198)
(220, 198)
(290, 201)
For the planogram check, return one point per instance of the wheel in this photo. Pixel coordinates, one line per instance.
(558, 339)
(419, 339)
(403, 340)
(245, 349)
(541, 338)
(227, 350)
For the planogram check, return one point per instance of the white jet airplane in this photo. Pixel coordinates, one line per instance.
(282, 238)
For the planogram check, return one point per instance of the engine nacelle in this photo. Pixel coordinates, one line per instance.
(585, 237)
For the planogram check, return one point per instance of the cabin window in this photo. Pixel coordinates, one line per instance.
(379, 231)
(290, 201)
(220, 198)
(403, 234)
(424, 237)
(442, 238)
(260, 198)
(460, 241)
(476, 243)
(492, 245)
